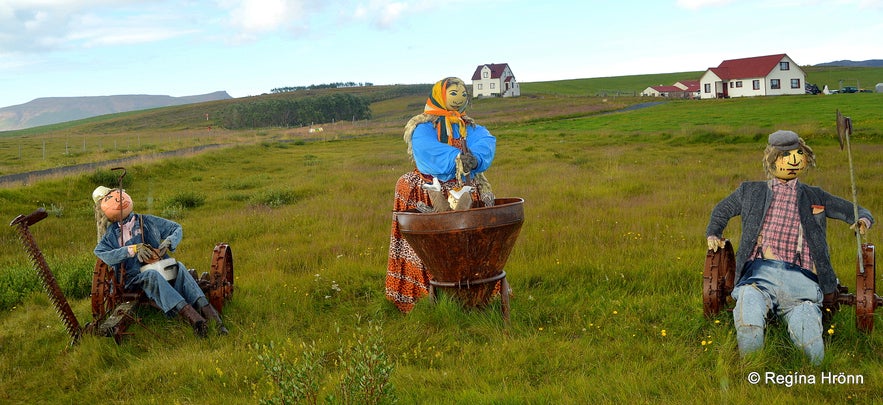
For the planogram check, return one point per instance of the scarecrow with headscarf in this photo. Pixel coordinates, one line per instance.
(137, 247)
(451, 153)
(783, 266)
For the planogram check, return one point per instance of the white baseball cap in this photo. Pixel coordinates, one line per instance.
(99, 193)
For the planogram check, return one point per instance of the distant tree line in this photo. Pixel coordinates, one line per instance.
(259, 113)
(336, 85)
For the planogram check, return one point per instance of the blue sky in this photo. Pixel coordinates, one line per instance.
(65, 48)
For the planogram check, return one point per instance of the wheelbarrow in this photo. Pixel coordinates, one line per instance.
(464, 252)
(718, 279)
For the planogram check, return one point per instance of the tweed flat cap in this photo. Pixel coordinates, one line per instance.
(784, 140)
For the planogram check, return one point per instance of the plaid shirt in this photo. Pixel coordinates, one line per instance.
(781, 227)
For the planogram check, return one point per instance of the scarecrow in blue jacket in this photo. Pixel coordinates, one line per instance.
(451, 154)
(783, 266)
(137, 247)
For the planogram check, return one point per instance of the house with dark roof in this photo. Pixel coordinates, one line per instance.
(494, 80)
(771, 75)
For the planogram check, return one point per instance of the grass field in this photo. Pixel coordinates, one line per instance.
(606, 272)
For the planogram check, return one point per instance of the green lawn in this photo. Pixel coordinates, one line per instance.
(606, 272)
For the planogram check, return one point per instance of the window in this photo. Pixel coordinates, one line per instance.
(493, 86)
(755, 84)
(480, 86)
(485, 74)
(784, 66)
(739, 84)
(774, 84)
(707, 87)
(732, 84)
(795, 83)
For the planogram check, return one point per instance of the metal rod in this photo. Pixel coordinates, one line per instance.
(858, 236)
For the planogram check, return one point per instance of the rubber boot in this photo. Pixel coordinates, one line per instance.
(197, 321)
(209, 312)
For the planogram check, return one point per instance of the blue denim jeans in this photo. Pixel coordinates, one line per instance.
(787, 291)
(169, 296)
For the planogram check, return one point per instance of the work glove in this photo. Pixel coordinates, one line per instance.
(143, 252)
(164, 247)
(862, 226)
(715, 243)
(470, 162)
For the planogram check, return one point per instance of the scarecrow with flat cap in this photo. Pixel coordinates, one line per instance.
(136, 246)
(451, 153)
(783, 266)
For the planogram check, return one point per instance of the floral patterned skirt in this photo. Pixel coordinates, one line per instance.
(406, 278)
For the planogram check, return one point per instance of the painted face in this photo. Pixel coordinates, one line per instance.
(456, 97)
(116, 205)
(790, 164)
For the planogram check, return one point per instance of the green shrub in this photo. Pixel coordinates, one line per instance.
(15, 284)
(275, 198)
(365, 368)
(186, 199)
(108, 178)
(291, 381)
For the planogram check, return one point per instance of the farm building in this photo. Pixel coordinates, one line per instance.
(681, 89)
(770, 75)
(662, 91)
(494, 80)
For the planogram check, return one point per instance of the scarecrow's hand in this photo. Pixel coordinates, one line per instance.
(143, 252)
(424, 207)
(470, 162)
(715, 243)
(164, 247)
(862, 226)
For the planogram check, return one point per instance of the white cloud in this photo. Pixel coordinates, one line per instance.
(33, 26)
(251, 18)
(382, 13)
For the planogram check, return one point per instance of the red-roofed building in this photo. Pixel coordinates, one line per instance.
(690, 87)
(663, 91)
(681, 89)
(494, 80)
(771, 75)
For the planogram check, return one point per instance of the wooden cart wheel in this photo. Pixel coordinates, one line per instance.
(221, 276)
(102, 280)
(718, 278)
(865, 297)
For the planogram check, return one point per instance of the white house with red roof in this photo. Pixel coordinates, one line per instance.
(690, 88)
(681, 89)
(663, 91)
(771, 75)
(494, 80)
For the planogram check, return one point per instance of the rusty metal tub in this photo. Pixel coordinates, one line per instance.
(465, 251)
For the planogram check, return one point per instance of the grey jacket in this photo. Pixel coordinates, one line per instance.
(752, 200)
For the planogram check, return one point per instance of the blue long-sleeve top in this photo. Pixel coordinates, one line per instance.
(438, 159)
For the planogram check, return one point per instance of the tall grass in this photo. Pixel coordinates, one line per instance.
(606, 272)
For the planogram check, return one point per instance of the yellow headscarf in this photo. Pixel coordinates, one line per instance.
(436, 105)
(435, 111)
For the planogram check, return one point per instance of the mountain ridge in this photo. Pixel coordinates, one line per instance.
(52, 110)
(850, 63)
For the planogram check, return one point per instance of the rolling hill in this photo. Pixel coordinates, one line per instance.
(51, 110)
